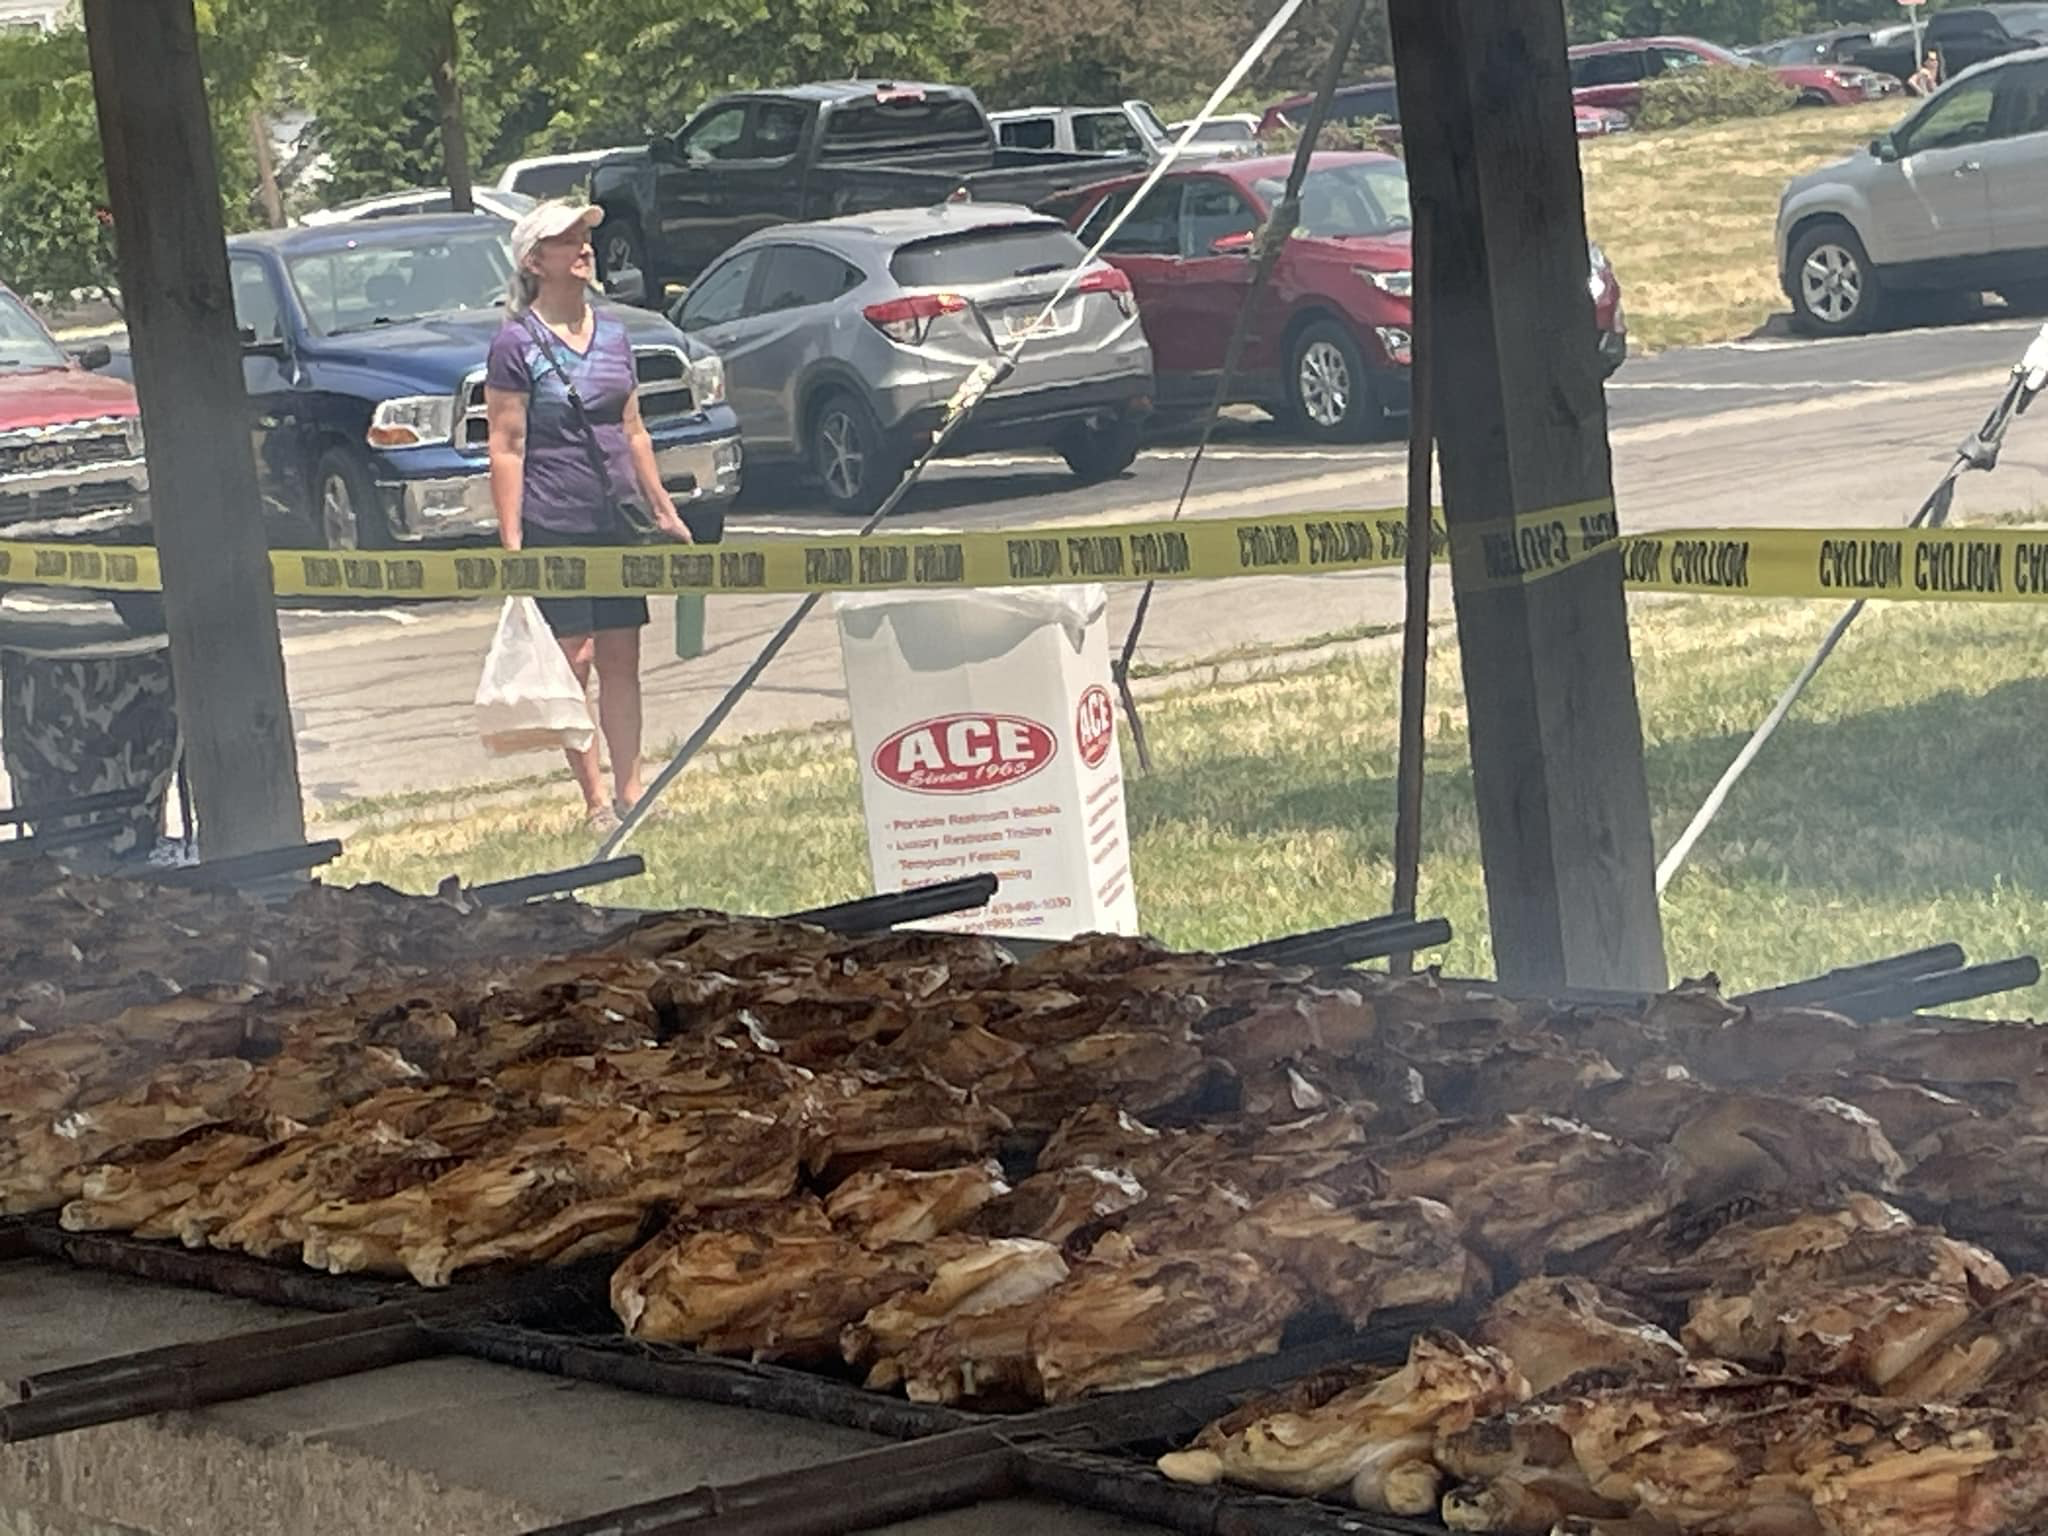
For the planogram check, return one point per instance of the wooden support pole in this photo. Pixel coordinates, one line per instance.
(1557, 749)
(226, 657)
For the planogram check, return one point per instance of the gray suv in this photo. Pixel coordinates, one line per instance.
(844, 339)
(1954, 199)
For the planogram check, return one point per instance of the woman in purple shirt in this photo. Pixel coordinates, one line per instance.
(547, 483)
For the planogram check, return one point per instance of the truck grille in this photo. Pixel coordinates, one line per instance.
(20, 508)
(40, 452)
(664, 378)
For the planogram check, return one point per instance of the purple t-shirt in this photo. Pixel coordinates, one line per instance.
(562, 489)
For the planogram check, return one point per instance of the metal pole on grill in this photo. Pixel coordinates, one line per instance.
(1415, 626)
(2029, 377)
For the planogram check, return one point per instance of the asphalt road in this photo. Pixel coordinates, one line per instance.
(1848, 433)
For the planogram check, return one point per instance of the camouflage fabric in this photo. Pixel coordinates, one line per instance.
(88, 720)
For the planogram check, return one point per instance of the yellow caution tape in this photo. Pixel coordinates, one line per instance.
(1945, 565)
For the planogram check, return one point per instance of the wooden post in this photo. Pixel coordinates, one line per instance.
(1557, 748)
(266, 169)
(226, 656)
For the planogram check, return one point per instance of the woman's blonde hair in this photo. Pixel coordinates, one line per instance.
(521, 289)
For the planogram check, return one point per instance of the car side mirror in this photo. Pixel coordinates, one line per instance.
(1884, 148)
(628, 285)
(1239, 244)
(274, 347)
(661, 148)
(94, 357)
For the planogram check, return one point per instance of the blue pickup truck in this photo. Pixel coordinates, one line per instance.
(364, 351)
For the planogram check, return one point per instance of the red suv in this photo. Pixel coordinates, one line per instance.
(1613, 74)
(1329, 346)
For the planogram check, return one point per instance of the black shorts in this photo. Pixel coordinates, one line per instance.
(570, 616)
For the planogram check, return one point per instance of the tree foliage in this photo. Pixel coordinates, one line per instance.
(56, 234)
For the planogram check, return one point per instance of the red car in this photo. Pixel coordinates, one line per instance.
(71, 461)
(1613, 74)
(1329, 347)
(70, 440)
(1374, 101)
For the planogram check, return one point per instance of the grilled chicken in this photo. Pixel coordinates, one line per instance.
(774, 1282)
(138, 1198)
(1113, 1327)
(1362, 1260)
(973, 1278)
(1743, 1143)
(883, 1206)
(1554, 1328)
(1864, 1336)
(1528, 1186)
(1371, 1439)
(1056, 1205)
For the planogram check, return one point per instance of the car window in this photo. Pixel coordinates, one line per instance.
(1211, 210)
(258, 316)
(360, 285)
(720, 295)
(906, 120)
(2023, 99)
(23, 341)
(778, 130)
(1097, 221)
(1366, 101)
(1153, 229)
(991, 255)
(797, 276)
(1026, 133)
(1960, 115)
(721, 134)
(1624, 68)
(541, 181)
(1676, 60)
(1108, 133)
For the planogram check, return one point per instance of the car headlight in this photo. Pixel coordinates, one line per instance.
(1401, 284)
(132, 430)
(413, 421)
(707, 379)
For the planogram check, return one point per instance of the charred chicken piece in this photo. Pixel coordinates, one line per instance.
(1366, 1259)
(1373, 1441)
(973, 1278)
(884, 1206)
(1060, 1204)
(1556, 1327)
(1744, 1143)
(1114, 1327)
(1528, 1186)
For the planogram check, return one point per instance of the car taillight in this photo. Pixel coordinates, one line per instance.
(909, 319)
(1113, 281)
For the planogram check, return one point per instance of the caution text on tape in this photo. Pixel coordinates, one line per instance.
(1886, 564)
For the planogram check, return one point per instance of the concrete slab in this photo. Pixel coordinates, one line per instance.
(434, 1448)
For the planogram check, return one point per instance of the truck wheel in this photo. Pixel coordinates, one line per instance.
(345, 506)
(619, 246)
(1835, 290)
(142, 612)
(1101, 450)
(851, 455)
(1329, 390)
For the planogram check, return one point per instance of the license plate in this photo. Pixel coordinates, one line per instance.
(1026, 322)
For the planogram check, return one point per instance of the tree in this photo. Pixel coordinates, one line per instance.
(56, 236)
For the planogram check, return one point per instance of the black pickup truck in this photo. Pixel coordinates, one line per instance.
(1961, 37)
(759, 158)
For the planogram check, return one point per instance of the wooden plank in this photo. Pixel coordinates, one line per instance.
(226, 657)
(1521, 423)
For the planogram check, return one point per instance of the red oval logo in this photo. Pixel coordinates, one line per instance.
(1094, 725)
(965, 754)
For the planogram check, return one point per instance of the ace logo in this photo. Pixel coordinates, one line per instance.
(1094, 725)
(965, 754)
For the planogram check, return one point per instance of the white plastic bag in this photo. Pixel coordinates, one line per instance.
(528, 699)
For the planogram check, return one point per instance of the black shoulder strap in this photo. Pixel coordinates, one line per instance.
(546, 338)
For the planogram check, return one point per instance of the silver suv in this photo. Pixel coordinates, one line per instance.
(844, 339)
(1954, 199)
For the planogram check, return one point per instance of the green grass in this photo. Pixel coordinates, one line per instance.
(1901, 805)
(1688, 215)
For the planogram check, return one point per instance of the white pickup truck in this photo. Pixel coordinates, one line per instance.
(1127, 128)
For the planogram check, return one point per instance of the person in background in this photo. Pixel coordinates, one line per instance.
(558, 472)
(1924, 80)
